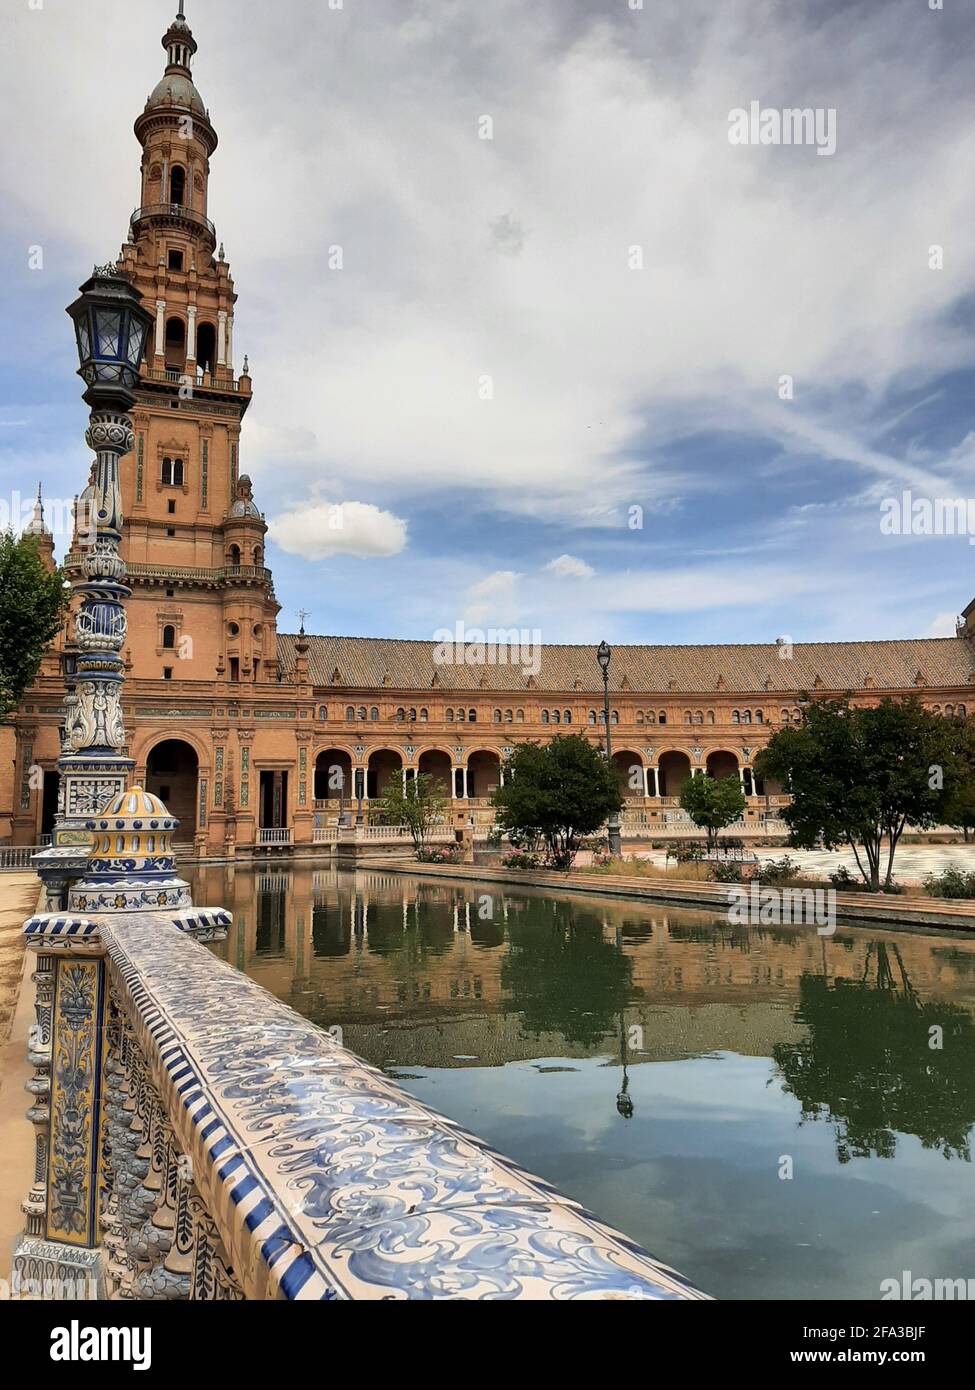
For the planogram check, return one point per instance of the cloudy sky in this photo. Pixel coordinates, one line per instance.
(545, 384)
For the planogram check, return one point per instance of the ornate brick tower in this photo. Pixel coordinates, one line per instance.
(203, 605)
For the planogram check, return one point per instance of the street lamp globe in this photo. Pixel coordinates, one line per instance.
(603, 655)
(111, 327)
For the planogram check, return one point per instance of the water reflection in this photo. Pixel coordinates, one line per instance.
(657, 1063)
(847, 1020)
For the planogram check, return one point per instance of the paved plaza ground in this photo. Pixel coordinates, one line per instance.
(911, 862)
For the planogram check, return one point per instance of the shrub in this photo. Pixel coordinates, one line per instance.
(726, 873)
(439, 854)
(521, 859)
(777, 870)
(950, 883)
(842, 878)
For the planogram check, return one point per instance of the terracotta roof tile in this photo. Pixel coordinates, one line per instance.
(369, 663)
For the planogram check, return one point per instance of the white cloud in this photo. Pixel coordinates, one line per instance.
(493, 600)
(322, 529)
(568, 567)
(942, 626)
(757, 261)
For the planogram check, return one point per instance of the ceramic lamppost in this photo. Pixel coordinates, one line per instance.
(110, 329)
(603, 657)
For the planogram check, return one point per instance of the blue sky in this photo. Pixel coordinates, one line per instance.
(508, 260)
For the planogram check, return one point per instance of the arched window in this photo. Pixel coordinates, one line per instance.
(349, 713)
(206, 347)
(508, 716)
(759, 717)
(360, 713)
(710, 716)
(698, 716)
(592, 716)
(413, 715)
(960, 711)
(949, 711)
(171, 474)
(662, 717)
(687, 716)
(496, 716)
(784, 716)
(556, 716)
(424, 715)
(746, 717)
(544, 716)
(323, 711)
(175, 352)
(374, 713)
(797, 716)
(651, 716)
(400, 715)
(615, 716)
(169, 636)
(639, 716)
(177, 184)
(472, 716)
(520, 717)
(735, 716)
(461, 716)
(450, 715)
(602, 716)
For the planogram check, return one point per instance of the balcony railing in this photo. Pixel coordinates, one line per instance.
(178, 375)
(274, 835)
(194, 574)
(174, 212)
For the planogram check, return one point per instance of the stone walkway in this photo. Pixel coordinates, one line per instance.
(911, 862)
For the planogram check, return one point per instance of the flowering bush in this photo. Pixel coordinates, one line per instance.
(601, 858)
(520, 859)
(440, 854)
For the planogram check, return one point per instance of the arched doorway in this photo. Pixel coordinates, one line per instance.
(383, 764)
(333, 777)
(435, 764)
(630, 774)
(674, 770)
(483, 773)
(172, 769)
(721, 763)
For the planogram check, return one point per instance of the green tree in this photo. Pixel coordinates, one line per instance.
(420, 806)
(32, 608)
(712, 803)
(857, 776)
(560, 792)
(959, 810)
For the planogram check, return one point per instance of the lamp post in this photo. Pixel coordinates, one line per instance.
(111, 327)
(603, 657)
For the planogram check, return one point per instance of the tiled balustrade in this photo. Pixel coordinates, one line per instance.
(197, 1139)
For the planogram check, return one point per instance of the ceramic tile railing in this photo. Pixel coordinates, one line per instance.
(244, 1154)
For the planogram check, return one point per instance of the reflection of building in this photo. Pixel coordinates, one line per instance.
(249, 735)
(412, 972)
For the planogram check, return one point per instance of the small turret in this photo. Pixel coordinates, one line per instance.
(37, 527)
